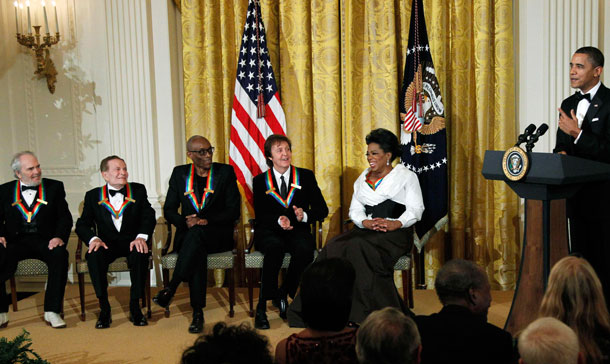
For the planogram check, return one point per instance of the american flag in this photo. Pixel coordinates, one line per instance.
(257, 111)
(411, 122)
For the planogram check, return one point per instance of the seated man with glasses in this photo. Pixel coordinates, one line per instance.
(206, 194)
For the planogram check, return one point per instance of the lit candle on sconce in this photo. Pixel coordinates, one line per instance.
(44, 12)
(56, 22)
(34, 42)
(16, 17)
(21, 16)
(27, 3)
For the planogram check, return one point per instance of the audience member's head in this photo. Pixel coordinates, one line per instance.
(462, 282)
(229, 345)
(326, 294)
(548, 341)
(574, 296)
(388, 336)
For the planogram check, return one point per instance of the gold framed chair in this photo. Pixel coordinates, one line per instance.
(253, 260)
(119, 265)
(223, 260)
(404, 264)
(27, 267)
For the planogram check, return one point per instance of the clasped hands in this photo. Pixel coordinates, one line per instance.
(192, 220)
(285, 221)
(138, 244)
(383, 225)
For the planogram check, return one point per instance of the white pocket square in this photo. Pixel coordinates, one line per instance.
(594, 120)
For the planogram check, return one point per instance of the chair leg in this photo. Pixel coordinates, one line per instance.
(165, 273)
(231, 291)
(251, 290)
(409, 287)
(147, 296)
(14, 294)
(81, 291)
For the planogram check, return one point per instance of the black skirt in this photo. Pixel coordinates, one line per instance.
(373, 255)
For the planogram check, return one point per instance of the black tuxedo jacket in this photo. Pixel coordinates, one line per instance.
(96, 220)
(54, 219)
(594, 143)
(221, 209)
(308, 197)
(455, 335)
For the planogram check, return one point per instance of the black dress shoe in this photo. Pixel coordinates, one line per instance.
(163, 298)
(260, 320)
(104, 320)
(196, 325)
(137, 318)
(282, 305)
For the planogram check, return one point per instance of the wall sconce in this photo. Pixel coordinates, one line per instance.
(45, 67)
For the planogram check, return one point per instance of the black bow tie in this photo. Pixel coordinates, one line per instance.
(25, 188)
(580, 96)
(122, 191)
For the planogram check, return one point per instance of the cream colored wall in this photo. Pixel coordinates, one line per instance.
(118, 92)
(547, 32)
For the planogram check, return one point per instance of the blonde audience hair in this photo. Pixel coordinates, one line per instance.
(548, 341)
(574, 296)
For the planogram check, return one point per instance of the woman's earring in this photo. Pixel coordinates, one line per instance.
(387, 163)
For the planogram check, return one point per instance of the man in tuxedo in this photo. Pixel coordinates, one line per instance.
(584, 131)
(460, 333)
(206, 194)
(35, 222)
(117, 221)
(286, 200)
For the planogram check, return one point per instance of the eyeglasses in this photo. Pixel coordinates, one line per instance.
(203, 152)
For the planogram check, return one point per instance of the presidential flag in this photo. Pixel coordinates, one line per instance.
(423, 133)
(257, 111)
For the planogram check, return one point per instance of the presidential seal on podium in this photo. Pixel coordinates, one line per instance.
(515, 163)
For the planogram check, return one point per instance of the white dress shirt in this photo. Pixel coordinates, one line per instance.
(28, 195)
(117, 201)
(583, 106)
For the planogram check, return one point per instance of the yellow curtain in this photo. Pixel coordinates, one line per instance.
(339, 67)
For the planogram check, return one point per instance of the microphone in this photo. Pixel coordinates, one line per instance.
(541, 130)
(534, 137)
(523, 137)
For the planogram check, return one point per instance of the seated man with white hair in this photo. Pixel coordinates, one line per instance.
(549, 341)
(388, 336)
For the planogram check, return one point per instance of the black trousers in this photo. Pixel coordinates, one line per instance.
(32, 246)
(590, 237)
(192, 263)
(300, 245)
(98, 262)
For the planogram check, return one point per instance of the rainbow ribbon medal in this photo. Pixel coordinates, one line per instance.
(41, 200)
(190, 191)
(105, 201)
(373, 185)
(296, 184)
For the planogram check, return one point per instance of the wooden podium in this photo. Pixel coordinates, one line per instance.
(551, 179)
